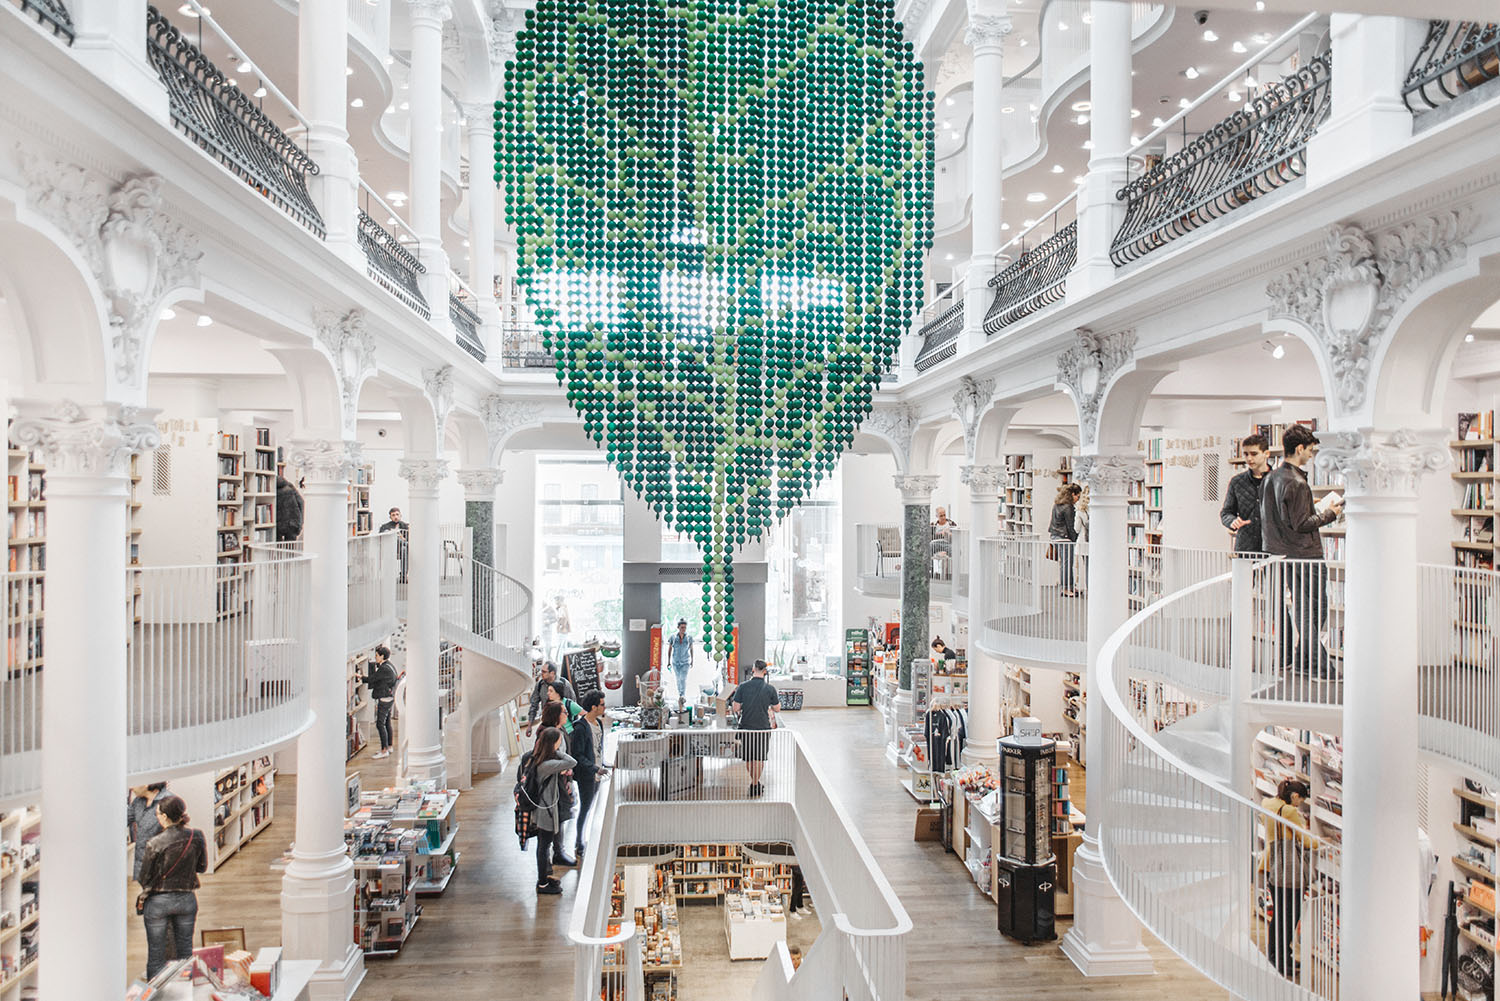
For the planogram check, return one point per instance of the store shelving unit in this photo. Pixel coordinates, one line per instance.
(20, 874)
(1075, 701)
(229, 535)
(359, 707)
(1474, 490)
(1016, 505)
(1015, 695)
(361, 518)
(1311, 757)
(240, 800)
(1475, 866)
(858, 688)
(661, 942)
(259, 512)
(385, 899)
(1144, 513)
(26, 552)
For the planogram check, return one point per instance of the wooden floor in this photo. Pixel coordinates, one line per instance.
(490, 937)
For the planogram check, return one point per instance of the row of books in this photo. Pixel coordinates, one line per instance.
(1476, 425)
(29, 557)
(34, 488)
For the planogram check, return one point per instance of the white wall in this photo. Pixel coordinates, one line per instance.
(870, 498)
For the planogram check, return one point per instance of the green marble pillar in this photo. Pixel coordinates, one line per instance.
(916, 566)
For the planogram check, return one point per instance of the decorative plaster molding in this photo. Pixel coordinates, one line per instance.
(323, 460)
(986, 32)
(430, 13)
(503, 418)
(437, 383)
(135, 251)
(1371, 467)
(1348, 296)
(351, 349)
(916, 490)
(1085, 370)
(480, 484)
(73, 441)
(968, 404)
(424, 474)
(983, 480)
(1109, 475)
(897, 425)
(478, 116)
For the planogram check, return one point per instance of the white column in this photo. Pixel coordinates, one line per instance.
(424, 739)
(479, 128)
(317, 892)
(110, 41)
(1368, 118)
(425, 117)
(1105, 939)
(1380, 472)
(1099, 211)
(988, 26)
(86, 454)
(322, 97)
(984, 670)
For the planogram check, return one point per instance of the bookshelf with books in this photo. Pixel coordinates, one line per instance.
(1474, 866)
(385, 859)
(20, 913)
(1144, 515)
(1075, 701)
(359, 707)
(653, 906)
(26, 552)
(1016, 504)
(232, 805)
(1474, 486)
(361, 518)
(259, 511)
(133, 543)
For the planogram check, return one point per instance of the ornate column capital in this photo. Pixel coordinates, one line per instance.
(1109, 475)
(424, 473)
(480, 484)
(1382, 465)
(74, 441)
(898, 426)
(986, 32)
(983, 481)
(915, 490)
(351, 350)
(503, 418)
(479, 117)
(323, 460)
(968, 405)
(428, 13)
(1085, 370)
(1348, 296)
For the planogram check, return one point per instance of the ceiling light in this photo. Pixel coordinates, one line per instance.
(1037, 196)
(171, 314)
(234, 81)
(1261, 37)
(1087, 18)
(1007, 109)
(1029, 223)
(390, 221)
(1468, 338)
(1082, 119)
(956, 135)
(396, 196)
(259, 92)
(358, 102)
(348, 71)
(1191, 72)
(1184, 103)
(1278, 352)
(244, 67)
(947, 125)
(1238, 48)
(1030, 107)
(1057, 168)
(948, 257)
(1135, 112)
(1088, 144)
(1260, 4)
(1157, 122)
(948, 101)
(1210, 35)
(187, 10)
(1233, 94)
(1023, 43)
(405, 105)
(1078, 179)
(205, 320)
(390, 60)
(1004, 226)
(1250, 83)
(1082, 106)
(466, 243)
(1062, 25)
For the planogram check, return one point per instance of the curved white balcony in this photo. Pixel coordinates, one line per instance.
(21, 688)
(1458, 658)
(877, 563)
(1030, 611)
(372, 589)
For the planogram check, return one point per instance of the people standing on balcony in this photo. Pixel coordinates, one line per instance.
(586, 744)
(539, 697)
(1242, 498)
(140, 820)
(1289, 527)
(288, 511)
(1286, 868)
(756, 703)
(169, 874)
(680, 656)
(942, 540)
(543, 787)
(382, 680)
(1062, 531)
(403, 538)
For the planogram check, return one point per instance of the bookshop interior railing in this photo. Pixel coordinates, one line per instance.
(1298, 625)
(1455, 57)
(21, 685)
(463, 312)
(51, 14)
(940, 334)
(391, 265)
(1035, 605)
(372, 588)
(1037, 278)
(1459, 666)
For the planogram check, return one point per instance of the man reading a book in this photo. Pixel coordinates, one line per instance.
(1289, 527)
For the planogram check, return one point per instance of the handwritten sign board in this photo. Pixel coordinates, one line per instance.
(583, 669)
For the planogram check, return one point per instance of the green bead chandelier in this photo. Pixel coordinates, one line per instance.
(722, 208)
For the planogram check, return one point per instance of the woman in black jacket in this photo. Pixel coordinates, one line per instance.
(1063, 533)
(169, 874)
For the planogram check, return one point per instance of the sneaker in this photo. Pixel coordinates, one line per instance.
(551, 888)
(559, 859)
(381, 754)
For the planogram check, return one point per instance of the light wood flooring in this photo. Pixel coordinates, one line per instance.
(490, 937)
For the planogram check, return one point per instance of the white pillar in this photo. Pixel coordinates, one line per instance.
(984, 670)
(424, 739)
(83, 767)
(317, 892)
(1105, 939)
(322, 97)
(425, 95)
(480, 131)
(988, 26)
(110, 41)
(1099, 211)
(1379, 959)
(1368, 118)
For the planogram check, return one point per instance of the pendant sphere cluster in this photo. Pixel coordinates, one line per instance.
(721, 208)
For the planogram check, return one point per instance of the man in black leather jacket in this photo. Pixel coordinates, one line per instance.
(1289, 523)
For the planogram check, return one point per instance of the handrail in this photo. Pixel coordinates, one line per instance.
(202, 15)
(1463, 54)
(1049, 216)
(390, 212)
(52, 14)
(1037, 279)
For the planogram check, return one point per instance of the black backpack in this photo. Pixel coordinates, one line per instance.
(528, 796)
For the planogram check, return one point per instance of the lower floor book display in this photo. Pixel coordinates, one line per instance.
(400, 841)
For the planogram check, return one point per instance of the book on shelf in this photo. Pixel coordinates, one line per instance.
(1476, 425)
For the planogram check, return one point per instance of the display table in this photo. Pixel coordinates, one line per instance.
(675, 756)
(751, 928)
(817, 693)
(296, 974)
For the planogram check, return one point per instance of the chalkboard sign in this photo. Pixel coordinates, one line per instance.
(583, 668)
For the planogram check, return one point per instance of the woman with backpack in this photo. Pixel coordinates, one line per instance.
(543, 788)
(1287, 869)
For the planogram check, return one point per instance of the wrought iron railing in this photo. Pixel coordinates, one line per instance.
(1456, 57)
(227, 125)
(463, 311)
(940, 337)
(1251, 153)
(523, 346)
(391, 265)
(1036, 279)
(51, 14)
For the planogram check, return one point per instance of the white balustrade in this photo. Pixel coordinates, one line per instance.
(372, 589)
(957, 564)
(877, 559)
(1458, 664)
(1298, 632)
(217, 667)
(1035, 608)
(21, 688)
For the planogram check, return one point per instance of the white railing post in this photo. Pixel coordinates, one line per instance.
(1241, 665)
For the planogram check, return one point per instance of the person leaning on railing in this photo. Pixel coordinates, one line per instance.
(1063, 533)
(1287, 868)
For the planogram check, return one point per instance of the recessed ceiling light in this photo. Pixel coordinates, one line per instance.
(1007, 109)
(1087, 18)
(1004, 226)
(1260, 4)
(1210, 35)
(466, 243)
(1233, 94)
(1023, 43)
(956, 135)
(1261, 37)
(1183, 103)
(1088, 144)
(1082, 106)
(171, 314)
(1057, 168)
(1157, 122)
(259, 92)
(1278, 352)
(1082, 119)
(949, 257)
(390, 220)
(1135, 112)
(1037, 196)
(1238, 48)
(358, 102)
(187, 10)
(396, 196)
(205, 320)
(1062, 25)
(1030, 107)
(405, 105)
(348, 71)
(234, 81)
(948, 101)
(390, 60)
(1029, 223)
(244, 66)
(1191, 72)
(1078, 179)
(1468, 338)
(947, 124)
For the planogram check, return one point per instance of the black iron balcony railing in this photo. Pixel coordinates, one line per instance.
(228, 126)
(1033, 281)
(940, 337)
(392, 266)
(522, 346)
(51, 14)
(1456, 57)
(1251, 153)
(463, 311)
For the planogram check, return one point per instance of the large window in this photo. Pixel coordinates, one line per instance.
(579, 549)
(804, 626)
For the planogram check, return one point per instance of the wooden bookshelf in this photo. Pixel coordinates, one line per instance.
(1475, 863)
(20, 876)
(1474, 490)
(232, 805)
(361, 518)
(26, 552)
(1017, 507)
(258, 514)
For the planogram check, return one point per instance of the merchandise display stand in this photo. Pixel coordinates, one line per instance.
(753, 923)
(20, 914)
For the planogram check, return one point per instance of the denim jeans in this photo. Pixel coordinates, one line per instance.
(383, 709)
(169, 928)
